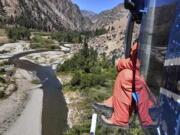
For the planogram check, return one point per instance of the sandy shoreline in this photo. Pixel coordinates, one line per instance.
(12, 108)
(29, 123)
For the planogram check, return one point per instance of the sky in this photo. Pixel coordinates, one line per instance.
(97, 5)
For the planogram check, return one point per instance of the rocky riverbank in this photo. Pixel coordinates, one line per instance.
(74, 100)
(12, 106)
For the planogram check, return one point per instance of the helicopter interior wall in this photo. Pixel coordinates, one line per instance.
(159, 55)
(169, 117)
(159, 3)
(171, 79)
(174, 42)
(154, 38)
(169, 97)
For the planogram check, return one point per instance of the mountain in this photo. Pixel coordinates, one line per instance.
(55, 15)
(44, 14)
(89, 14)
(112, 42)
(109, 16)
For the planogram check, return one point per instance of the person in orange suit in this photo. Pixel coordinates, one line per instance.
(130, 92)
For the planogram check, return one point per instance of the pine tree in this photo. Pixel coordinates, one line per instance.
(2, 11)
(79, 39)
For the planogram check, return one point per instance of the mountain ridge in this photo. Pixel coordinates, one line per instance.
(109, 16)
(50, 15)
(89, 14)
(56, 15)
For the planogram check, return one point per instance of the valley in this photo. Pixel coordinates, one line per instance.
(55, 61)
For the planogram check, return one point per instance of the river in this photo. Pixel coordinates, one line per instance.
(54, 111)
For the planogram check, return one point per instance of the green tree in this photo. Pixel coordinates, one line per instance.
(99, 32)
(113, 59)
(112, 28)
(76, 79)
(2, 11)
(79, 39)
(69, 38)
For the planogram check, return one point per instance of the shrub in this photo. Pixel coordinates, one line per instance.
(2, 70)
(83, 61)
(95, 69)
(3, 63)
(39, 42)
(68, 36)
(39, 39)
(78, 130)
(2, 94)
(18, 34)
(112, 28)
(75, 36)
(35, 81)
(2, 80)
(53, 47)
(76, 79)
(99, 32)
(3, 52)
(86, 81)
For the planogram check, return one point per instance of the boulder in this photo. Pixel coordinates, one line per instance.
(10, 89)
(2, 88)
(2, 94)
(2, 80)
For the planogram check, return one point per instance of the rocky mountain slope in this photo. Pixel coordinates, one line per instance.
(115, 22)
(55, 15)
(90, 14)
(111, 43)
(109, 16)
(45, 14)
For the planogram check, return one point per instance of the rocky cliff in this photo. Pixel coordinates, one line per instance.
(108, 17)
(114, 21)
(45, 14)
(90, 14)
(111, 43)
(55, 15)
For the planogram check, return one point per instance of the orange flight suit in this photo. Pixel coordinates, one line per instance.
(122, 99)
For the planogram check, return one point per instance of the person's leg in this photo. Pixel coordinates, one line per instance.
(144, 116)
(108, 102)
(121, 114)
(121, 99)
(104, 108)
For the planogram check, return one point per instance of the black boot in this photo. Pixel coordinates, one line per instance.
(104, 121)
(104, 110)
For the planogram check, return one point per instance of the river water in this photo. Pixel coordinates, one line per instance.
(54, 113)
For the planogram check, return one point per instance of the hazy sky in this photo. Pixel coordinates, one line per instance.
(97, 5)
